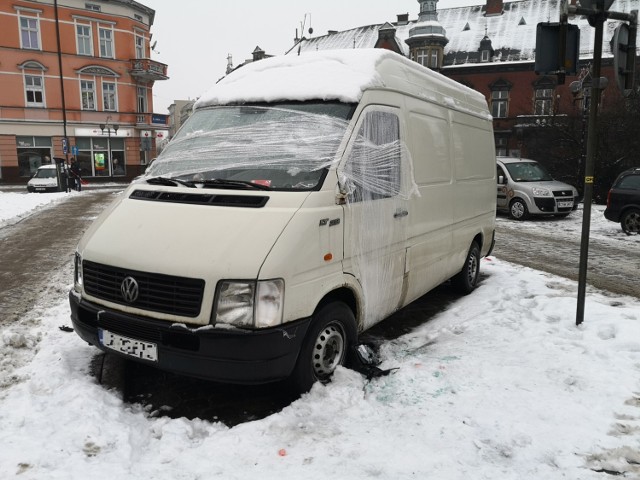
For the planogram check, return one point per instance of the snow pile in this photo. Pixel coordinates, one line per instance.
(16, 206)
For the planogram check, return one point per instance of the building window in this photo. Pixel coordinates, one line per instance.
(137, 17)
(88, 95)
(34, 90)
(142, 100)
(500, 103)
(486, 55)
(109, 96)
(83, 37)
(140, 46)
(502, 146)
(92, 6)
(106, 42)
(434, 59)
(30, 33)
(543, 102)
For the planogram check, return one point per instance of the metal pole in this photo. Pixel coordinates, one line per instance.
(64, 105)
(592, 147)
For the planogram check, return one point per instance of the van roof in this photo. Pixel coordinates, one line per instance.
(339, 75)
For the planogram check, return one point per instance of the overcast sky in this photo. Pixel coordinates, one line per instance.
(195, 37)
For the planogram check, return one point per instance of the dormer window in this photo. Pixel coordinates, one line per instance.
(486, 56)
(428, 57)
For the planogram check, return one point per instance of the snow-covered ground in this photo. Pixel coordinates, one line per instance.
(500, 385)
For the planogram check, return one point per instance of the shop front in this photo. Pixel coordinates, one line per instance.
(32, 153)
(101, 153)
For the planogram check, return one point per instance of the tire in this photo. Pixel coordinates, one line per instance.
(518, 209)
(326, 345)
(466, 280)
(630, 221)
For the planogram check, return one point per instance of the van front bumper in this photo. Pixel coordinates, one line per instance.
(224, 355)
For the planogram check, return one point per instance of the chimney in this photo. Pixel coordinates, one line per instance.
(494, 7)
(403, 18)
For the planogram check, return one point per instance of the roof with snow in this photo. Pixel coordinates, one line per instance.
(512, 34)
(341, 75)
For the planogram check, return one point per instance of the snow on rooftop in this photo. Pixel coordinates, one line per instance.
(512, 34)
(329, 75)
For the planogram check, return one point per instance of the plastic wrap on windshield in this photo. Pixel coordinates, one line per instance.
(375, 179)
(292, 147)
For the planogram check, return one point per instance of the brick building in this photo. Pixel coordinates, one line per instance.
(491, 48)
(78, 70)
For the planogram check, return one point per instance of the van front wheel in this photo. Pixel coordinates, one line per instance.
(518, 209)
(467, 279)
(325, 346)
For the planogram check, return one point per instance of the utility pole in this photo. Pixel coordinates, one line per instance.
(597, 12)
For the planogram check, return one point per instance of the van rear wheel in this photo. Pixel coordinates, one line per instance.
(325, 346)
(467, 279)
(518, 209)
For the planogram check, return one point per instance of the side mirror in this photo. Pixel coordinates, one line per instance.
(502, 180)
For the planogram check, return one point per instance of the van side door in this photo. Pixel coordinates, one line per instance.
(376, 211)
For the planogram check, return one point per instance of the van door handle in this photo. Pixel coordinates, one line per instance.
(400, 214)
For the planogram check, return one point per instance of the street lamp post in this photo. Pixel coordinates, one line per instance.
(108, 126)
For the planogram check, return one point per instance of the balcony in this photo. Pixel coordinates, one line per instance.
(147, 70)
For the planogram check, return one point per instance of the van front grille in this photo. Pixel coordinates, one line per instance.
(179, 296)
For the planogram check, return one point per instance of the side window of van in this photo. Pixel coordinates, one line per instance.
(373, 167)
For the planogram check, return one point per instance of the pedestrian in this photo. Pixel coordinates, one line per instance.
(76, 174)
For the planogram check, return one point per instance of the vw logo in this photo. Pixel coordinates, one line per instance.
(129, 289)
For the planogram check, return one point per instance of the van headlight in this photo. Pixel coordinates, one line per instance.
(249, 304)
(541, 192)
(77, 275)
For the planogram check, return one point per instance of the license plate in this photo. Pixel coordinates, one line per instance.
(565, 204)
(128, 346)
(39, 188)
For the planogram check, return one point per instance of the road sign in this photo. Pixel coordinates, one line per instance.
(74, 150)
(65, 146)
(623, 56)
(549, 59)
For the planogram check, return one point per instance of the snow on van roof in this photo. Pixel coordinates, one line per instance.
(340, 75)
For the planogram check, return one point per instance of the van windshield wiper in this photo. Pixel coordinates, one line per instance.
(170, 182)
(224, 182)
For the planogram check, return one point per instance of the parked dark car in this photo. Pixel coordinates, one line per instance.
(623, 201)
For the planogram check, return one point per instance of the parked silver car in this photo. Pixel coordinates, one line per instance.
(526, 188)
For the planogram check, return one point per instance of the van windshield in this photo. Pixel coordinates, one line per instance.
(528, 172)
(285, 146)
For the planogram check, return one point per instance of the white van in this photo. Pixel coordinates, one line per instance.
(526, 188)
(306, 199)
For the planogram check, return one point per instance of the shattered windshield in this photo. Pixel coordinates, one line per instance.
(528, 172)
(281, 146)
